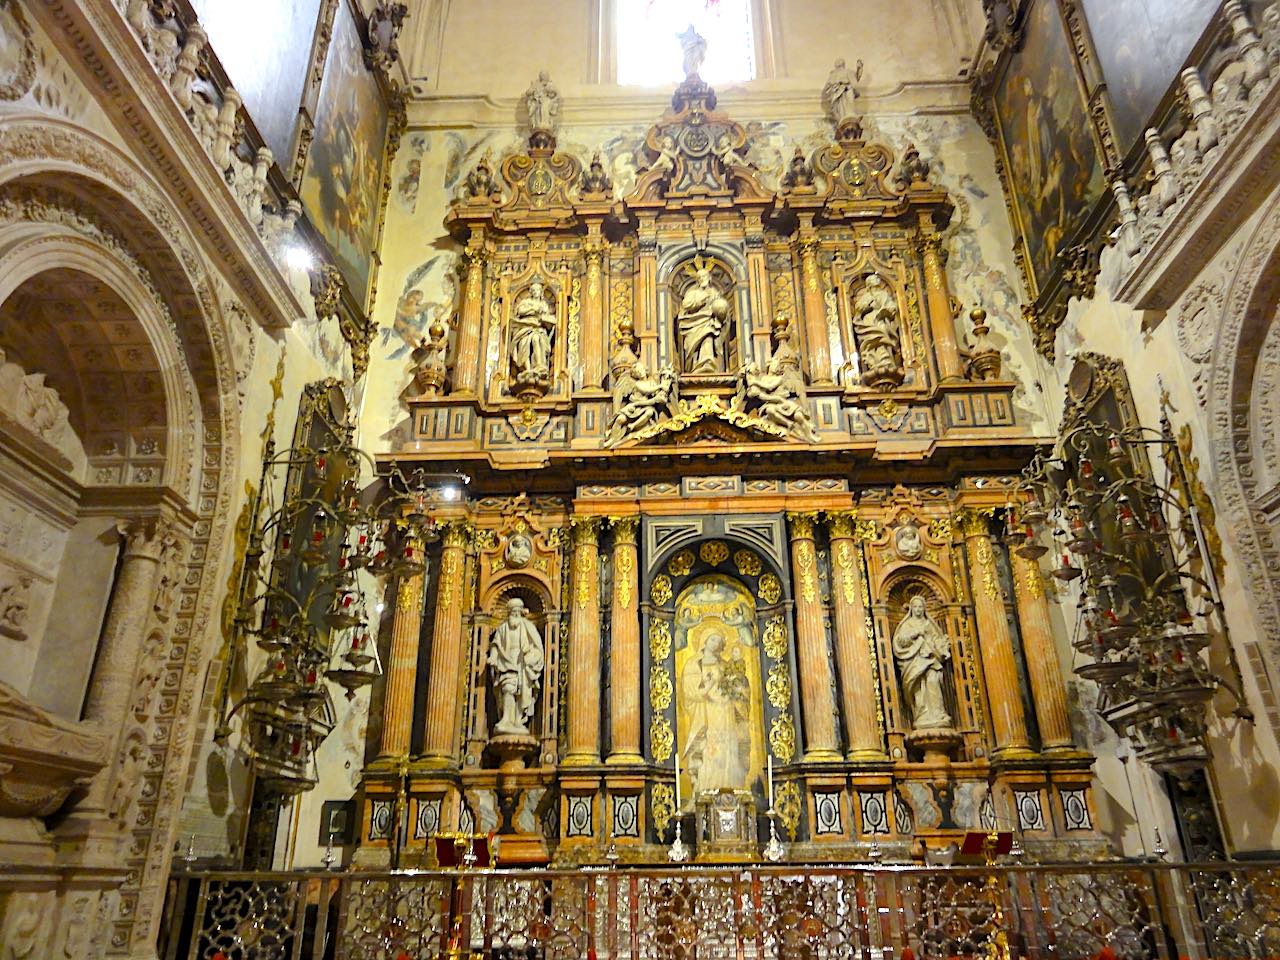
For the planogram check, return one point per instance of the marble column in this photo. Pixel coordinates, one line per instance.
(592, 346)
(817, 345)
(466, 362)
(146, 541)
(1044, 669)
(942, 323)
(440, 743)
(813, 663)
(584, 646)
(624, 640)
(402, 668)
(855, 647)
(999, 668)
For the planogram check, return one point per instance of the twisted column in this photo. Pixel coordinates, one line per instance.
(999, 668)
(811, 644)
(402, 667)
(855, 648)
(624, 640)
(584, 646)
(439, 746)
(1044, 669)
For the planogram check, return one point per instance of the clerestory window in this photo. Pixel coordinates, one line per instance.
(648, 52)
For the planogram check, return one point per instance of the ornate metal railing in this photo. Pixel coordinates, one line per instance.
(1118, 910)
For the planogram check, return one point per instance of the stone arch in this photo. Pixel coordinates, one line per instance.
(63, 187)
(1243, 439)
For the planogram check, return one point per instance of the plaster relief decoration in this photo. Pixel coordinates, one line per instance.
(342, 181)
(15, 598)
(17, 52)
(27, 401)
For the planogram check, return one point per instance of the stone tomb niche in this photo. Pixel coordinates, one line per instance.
(925, 657)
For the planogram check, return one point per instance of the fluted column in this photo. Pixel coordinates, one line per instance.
(999, 668)
(466, 363)
(440, 743)
(592, 347)
(402, 668)
(1044, 669)
(817, 345)
(855, 648)
(942, 323)
(584, 646)
(811, 644)
(624, 645)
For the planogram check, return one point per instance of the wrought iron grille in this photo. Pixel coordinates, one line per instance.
(1118, 910)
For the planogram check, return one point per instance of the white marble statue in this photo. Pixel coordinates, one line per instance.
(921, 649)
(703, 315)
(717, 695)
(876, 327)
(777, 395)
(515, 666)
(542, 103)
(533, 325)
(641, 401)
(840, 92)
(694, 48)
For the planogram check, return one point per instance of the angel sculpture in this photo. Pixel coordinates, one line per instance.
(776, 394)
(640, 400)
(730, 157)
(665, 163)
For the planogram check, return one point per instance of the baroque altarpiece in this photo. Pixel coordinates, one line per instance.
(735, 509)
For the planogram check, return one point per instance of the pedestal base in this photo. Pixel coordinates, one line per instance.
(936, 743)
(512, 749)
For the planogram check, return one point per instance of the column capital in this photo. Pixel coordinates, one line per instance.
(148, 537)
(457, 532)
(624, 529)
(802, 522)
(585, 530)
(972, 523)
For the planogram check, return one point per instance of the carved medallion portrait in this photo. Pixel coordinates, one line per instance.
(906, 541)
(519, 550)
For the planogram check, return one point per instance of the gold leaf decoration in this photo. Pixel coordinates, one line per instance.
(661, 739)
(770, 588)
(663, 804)
(623, 566)
(714, 552)
(659, 688)
(848, 576)
(782, 738)
(659, 640)
(787, 802)
(680, 564)
(940, 529)
(778, 686)
(748, 563)
(987, 563)
(660, 590)
(775, 638)
(808, 585)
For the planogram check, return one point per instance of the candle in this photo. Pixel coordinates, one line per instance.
(770, 781)
(677, 781)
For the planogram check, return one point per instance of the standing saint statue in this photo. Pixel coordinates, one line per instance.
(532, 326)
(875, 325)
(715, 692)
(694, 47)
(542, 103)
(515, 664)
(920, 647)
(839, 92)
(701, 322)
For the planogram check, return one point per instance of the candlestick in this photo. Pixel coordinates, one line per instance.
(677, 783)
(770, 781)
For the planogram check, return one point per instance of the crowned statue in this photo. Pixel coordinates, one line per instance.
(515, 664)
(921, 649)
(703, 316)
(717, 695)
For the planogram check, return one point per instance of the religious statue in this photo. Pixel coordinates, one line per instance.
(515, 664)
(875, 325)
(542, 104)
(40, 409)
(479, 183)
(532, 326)
(839, 93)
(911, 169)
(920, 647)
(694, 46)
(519, 550)
(701, 321)
(799, 176)
(595, 182)
(716, 694)
(640, 401)
(777, 393)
